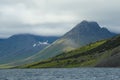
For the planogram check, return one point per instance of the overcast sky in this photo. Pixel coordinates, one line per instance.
(55, 17)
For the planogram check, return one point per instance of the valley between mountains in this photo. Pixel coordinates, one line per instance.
(86, 45)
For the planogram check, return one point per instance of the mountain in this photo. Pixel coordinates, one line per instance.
(21, 46)
(104, 53)
(2, 39)
(87, 32)
(81, 35)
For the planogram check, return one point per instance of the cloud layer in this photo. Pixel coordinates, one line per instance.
(55, 17)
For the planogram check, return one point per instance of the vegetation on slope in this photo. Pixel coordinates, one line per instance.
(87, 56)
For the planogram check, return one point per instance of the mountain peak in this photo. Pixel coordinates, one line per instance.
(88, 25)
(86, 32)
(87, 22)
(84, 21)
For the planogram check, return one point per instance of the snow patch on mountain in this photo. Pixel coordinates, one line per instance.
(34, 45)
(40, 43)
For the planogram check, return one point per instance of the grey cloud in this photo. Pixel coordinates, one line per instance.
(55, 17)
(48, 29)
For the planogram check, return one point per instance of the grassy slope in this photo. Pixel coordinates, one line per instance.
(87, 56)
(64, 57)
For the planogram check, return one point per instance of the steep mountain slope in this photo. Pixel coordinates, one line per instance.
(105, 53)
(82, 34)
(112, 61)
(22, 46)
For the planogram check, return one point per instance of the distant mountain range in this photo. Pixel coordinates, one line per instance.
(21, 46)
(82, 34)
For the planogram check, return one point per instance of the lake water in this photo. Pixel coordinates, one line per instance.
(61, 74)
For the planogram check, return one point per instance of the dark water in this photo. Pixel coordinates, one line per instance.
(61, 74)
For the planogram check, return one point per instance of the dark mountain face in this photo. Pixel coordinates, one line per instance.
(22, 46)
(87, 32)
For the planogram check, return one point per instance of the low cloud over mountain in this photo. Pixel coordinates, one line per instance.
(55, 17)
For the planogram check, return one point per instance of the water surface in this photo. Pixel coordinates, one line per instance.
(61, 74)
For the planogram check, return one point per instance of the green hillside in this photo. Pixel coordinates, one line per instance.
(91, 55)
